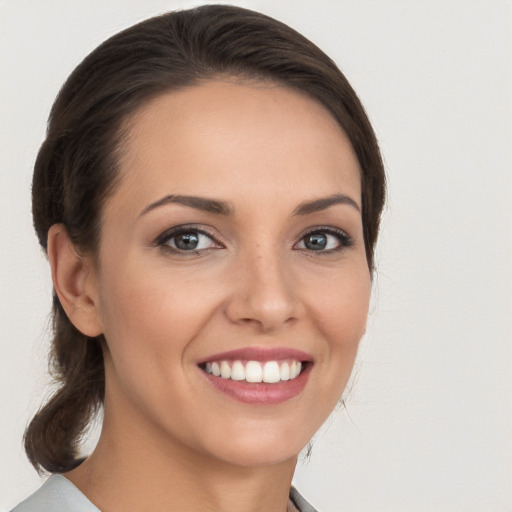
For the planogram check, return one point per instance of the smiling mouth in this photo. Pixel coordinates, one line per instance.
(269, 372)
(258, 376)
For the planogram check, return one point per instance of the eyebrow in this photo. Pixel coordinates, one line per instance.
(223, 208)
(324, 203)
(200, 203)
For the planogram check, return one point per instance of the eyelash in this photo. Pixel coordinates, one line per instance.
(344, 240)
(162, 241)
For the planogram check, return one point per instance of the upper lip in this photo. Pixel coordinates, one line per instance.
(259, 354)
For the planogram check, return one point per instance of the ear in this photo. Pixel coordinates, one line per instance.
(74, 280)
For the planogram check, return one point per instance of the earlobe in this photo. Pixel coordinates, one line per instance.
(74, 282)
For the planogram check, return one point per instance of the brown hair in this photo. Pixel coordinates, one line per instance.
(76, 168)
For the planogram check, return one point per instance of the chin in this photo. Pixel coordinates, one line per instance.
(262, 448)
(257, 458)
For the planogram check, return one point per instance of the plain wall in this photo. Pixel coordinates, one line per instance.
(428, 425)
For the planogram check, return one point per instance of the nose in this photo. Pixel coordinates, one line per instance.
(263, 293)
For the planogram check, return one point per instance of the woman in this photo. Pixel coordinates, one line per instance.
(209, 195)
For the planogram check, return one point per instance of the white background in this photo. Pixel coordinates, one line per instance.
(429, 421)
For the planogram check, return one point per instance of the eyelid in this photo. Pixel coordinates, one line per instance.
(344, 238)
(161, 239)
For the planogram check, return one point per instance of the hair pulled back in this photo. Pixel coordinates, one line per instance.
(76, 167)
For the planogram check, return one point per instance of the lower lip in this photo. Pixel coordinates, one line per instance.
(260, 393)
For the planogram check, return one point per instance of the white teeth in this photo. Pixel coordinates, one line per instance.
(295, 368)
(225, 370)
(284, 372)
(238, 371)
(216, 369)
(271, 372)
(253, 371)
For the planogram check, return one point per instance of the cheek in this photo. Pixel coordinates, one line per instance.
(149, 322)
(340, 309)
(340, 313)
(149, 316)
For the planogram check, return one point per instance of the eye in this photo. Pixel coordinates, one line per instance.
(186, 239)
(324, 240)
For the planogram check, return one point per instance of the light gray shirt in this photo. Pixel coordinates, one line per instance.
(58, 494)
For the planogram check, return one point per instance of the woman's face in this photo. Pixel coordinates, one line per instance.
(233, 243)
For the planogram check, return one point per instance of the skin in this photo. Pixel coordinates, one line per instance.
(170, 440)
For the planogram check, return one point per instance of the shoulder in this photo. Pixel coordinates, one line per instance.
(300, 503)
(57, 493)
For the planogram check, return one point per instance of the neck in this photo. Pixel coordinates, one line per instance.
(131, 472)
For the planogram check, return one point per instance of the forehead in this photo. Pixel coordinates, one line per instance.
(236, 140)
